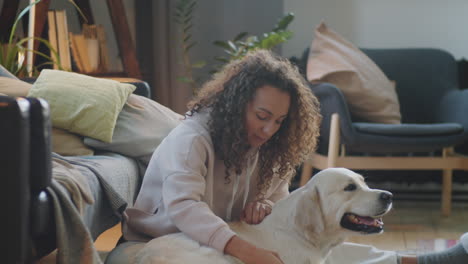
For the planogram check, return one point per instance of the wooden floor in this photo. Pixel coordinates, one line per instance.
(406, 226)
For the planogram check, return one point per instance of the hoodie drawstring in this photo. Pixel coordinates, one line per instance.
(249, 172)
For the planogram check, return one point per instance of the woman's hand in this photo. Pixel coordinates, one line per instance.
(255, 212)
(250, 254)
(261, 255)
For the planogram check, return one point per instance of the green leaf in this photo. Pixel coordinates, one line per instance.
(252, 41)
(190, 46)
(221, 59)
(286, 34)
(192, 4)
(177, 15)
(1, 53)
(270, 40)
(222, 44)
(190, 8)
(284, 22)
(232, 45)
(55, 54)
(180, 8)
(79, 11)
(240, 36)
(12, 53)
(231, 53)
(187, 38)
(21, 14)
(184, 79)
(188, 19)
(187, 28)
(199, 64)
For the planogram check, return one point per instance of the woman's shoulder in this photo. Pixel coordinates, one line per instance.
(197, 121)
(193, 127)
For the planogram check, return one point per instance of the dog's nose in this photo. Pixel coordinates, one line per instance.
(386, 197)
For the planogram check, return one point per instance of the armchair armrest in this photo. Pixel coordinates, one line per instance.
(142, 88)
(332, 101)
(14, 160)
(453, 108)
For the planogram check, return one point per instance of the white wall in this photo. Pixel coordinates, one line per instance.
(224, 19)
(383, 23)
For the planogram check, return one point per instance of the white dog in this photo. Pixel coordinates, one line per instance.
(301, 228)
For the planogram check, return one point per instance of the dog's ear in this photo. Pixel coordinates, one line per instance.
(308, 215)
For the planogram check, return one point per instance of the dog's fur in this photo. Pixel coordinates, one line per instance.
(302, 228)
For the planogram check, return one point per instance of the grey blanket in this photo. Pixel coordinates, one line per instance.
(78, 221)
(74, 242)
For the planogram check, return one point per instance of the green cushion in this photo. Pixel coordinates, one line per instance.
(82, 104)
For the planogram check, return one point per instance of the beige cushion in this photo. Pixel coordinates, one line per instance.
(141, 126)
(5, 73)
(368, 92)
(68, 144)
(14, 87)
(82, 104)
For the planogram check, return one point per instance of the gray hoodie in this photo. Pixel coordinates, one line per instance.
(184, 189)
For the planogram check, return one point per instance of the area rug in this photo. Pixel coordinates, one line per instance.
(434, 245)
(429, 246)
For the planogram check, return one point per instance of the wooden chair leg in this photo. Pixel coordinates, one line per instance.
(306, 173)
(447, 192)
(334, 144)
(447, 176)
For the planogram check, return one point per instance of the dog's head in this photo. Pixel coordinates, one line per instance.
(338, 201)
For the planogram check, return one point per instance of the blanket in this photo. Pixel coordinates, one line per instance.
(71, 193)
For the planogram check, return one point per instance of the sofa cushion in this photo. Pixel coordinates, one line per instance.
(14, 87)
(141, 126)
(63, 142)
(369, 93)
(68, 144)
(82, 104)
(5, 73)
(409, 130)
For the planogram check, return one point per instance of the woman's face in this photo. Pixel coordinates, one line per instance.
(265, 113)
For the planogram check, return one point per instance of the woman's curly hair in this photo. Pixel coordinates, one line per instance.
(227, 95)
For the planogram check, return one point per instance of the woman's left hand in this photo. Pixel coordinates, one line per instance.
(255, 212)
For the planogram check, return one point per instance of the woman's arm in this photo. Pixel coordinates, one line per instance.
(184, 161)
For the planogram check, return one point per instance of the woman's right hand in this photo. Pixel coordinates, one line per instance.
(261, 255)
(250, 254)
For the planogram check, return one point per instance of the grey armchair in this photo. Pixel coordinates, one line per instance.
(434, 120)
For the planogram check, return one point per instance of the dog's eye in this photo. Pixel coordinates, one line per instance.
(350, 187)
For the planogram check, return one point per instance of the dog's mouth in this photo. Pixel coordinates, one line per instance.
(363, 224)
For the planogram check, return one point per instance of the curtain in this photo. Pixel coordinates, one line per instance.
(167, 59)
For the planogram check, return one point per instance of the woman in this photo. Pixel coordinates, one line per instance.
(231, 158)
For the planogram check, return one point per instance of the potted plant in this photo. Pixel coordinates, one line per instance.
(13, 52)
(235, 49)
(243, 43)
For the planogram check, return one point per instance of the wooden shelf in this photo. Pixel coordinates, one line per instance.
(119, 22)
